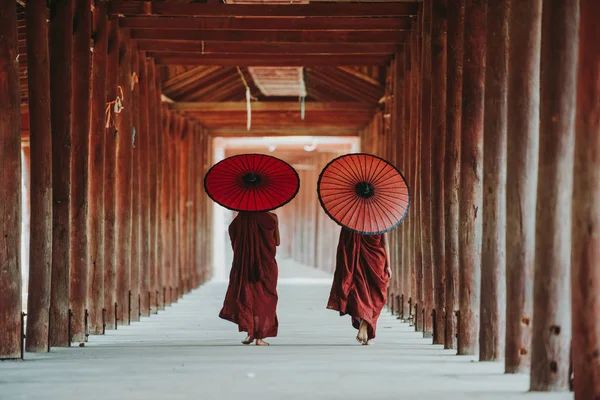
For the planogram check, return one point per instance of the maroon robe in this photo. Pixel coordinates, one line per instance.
(361, 278)
(251, 298)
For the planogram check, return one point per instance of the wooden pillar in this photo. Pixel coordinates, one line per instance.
(522, 173)
(136, 176)
(585, 256)
(456, 19)
(61, 64)
(10, 190)
(406, 254)
(165, 233)
(471, 177)
(551, 289)
(159, 188)
(194, 179)
(123, 177)
(174, 207)
(438, 136)
(144, 144)
(493, 253)
(425, 172)
(152, 131)
(40, 142)
(110, 181)
(96, 170)
(184, 146)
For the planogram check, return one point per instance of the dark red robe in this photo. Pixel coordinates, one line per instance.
(361, 278)
(251, 298)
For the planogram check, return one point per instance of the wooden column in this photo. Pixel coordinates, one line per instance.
(123, 177)
(438, 136)
(152, 131)
(551, 289)
(10, 190)
(144, 143)
(456, 19)
(40, 142)
(471, 177)
(159, 188)
(61, 64)
(96, 169)
(136, 176)
(165, 233)
(110, 180)
(174, 207)
(522, 173)
(585, 256)
(493, 253)
(194, 179)
(184, 147)
(406, 226)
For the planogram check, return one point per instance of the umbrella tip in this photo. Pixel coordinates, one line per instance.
(365, 190)
(251, 178)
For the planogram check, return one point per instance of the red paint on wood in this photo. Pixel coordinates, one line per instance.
(153, 233)
(136, 176)
(159, 171)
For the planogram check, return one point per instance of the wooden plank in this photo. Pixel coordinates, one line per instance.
(183, 59)
(522, 171)
(129, 8)
(96, 170)
(550, 350)
(493, 253)
(471, 178)
(10, 190)
(164, 35)
(61, 64)
(249, 48)
(40, 143)
(269, 106)
(276, 24)
(585, 256)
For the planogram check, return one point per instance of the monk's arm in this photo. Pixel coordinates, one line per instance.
(277, 239)
(387, 254)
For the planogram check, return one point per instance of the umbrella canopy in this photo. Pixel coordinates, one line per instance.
(252, 182)
(363, 193)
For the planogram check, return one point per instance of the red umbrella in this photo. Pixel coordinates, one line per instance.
(252, 182)
(364, 193)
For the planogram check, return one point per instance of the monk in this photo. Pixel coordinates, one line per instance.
(362, 273)
(251, 299)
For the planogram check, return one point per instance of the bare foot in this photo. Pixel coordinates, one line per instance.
(260, 342)
(362, 336)
(369, 342)
(248, 340)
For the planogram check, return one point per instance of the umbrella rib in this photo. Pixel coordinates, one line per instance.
(341, 174)
(379, 171)
(350, 170)
(350, 208)
(358, 167)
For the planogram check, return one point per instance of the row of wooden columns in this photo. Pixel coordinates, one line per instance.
(119, 219)
(502, 220)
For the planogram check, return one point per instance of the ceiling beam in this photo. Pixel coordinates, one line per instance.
(263, 106)
(267, 11)
(213, 48)
(277, 24)
(287, 131)
(394, 37)
(270, 60)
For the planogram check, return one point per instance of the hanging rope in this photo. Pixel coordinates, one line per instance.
(249, 97)
(302, 107)
(115, 106)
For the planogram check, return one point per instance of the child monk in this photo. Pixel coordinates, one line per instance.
(251, 299)
(362, 273)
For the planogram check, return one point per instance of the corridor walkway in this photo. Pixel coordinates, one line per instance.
(187, 352)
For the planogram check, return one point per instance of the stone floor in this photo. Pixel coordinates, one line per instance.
(187, 352)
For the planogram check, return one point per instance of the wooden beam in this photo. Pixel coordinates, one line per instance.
(265, 36)
(276, 24)
(324, 130)
(183, 59)
(264, 106)
(40, 257)
(249, 48)
(129, 8)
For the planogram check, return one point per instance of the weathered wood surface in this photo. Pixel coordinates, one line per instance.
(406, 255)
(98, 132)
(585, 256)
(493, 252)
(551, 289)
(471, 201)
(40, 143)
(160, 267)
(522, 173)
(144, 143)
(10, 190)
(61, 70)
(136, 174)
(165, 205)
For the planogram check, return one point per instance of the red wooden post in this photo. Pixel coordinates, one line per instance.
(61, 64)
(10, 190)
(456, 19)
(585, 256)
(174, 205)
(152, 131)
(136, 174)
(40, 139)
(551, 289)
(493, 253)
(165, 203)
(438, 132)
(123, 177)
(159, 188)
(96, 169)
(143, 140)
(406, 235)
(110, 181)
(522, 173)
(425, 169)
(471, 177)
(183, 143)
